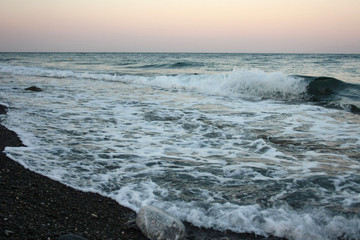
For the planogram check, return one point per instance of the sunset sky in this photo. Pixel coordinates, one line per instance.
(276, 26)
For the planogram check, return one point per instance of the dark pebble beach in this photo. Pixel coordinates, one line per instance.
(33, 206)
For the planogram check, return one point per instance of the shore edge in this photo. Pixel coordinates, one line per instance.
(33, 206)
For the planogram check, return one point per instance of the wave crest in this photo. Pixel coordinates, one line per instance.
(237, 83)
(324, 91)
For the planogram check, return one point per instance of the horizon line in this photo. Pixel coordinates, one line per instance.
(183, 52)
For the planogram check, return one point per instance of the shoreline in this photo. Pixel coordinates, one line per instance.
(33, 206)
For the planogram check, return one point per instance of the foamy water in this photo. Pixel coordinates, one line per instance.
(239, 149)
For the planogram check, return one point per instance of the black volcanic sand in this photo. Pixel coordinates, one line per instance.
(33, 206)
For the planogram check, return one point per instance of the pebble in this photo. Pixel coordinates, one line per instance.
(157, 224)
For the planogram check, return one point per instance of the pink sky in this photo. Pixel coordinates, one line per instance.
(310, 26)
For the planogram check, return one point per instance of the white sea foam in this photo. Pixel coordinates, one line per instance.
(4, 104)
(221, 162)
(235, 83)
(281, 222)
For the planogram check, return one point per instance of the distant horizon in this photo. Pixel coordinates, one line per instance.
(159, 52)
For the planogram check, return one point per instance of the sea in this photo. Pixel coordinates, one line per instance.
(256, 143)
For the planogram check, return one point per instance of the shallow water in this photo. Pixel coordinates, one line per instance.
(246, 150)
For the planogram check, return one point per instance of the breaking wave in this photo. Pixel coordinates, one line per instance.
(324, 91)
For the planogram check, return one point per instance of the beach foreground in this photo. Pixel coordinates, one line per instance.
(33, 206)
(36, 207)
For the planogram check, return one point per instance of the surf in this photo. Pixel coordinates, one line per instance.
(333, 93)
(242, 83)
(244, 149)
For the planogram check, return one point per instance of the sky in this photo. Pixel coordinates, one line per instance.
(250, 26)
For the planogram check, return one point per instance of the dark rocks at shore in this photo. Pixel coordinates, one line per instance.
(8, 138)
(3, 109)
(34, 89)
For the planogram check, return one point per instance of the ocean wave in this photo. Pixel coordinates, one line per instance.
(234, 83)
(281, 221)
(333, 93)
(176, 65)
(256, 84)
(203, 165)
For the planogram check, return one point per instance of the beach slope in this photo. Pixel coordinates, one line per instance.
(33, 206)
